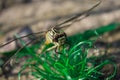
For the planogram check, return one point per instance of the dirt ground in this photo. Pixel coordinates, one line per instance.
(40, 14)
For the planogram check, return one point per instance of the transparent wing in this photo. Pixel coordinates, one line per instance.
(22, 47)
(15, 54)
(37, 33)
(77, 17)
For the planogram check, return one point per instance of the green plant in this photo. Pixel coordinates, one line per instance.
(71, 64)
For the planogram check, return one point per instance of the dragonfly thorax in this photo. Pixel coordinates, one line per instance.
(55, 36)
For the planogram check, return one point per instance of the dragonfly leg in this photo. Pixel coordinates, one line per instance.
(53, 47)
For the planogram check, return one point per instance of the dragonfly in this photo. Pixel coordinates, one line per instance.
(55, 34)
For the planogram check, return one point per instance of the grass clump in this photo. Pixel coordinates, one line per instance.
(71, 64)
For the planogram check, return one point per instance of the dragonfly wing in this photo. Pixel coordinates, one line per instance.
(77, 17)
(15, 54)
(37, 33)
(22, 47)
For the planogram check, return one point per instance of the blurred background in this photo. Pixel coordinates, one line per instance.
(38, 15)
